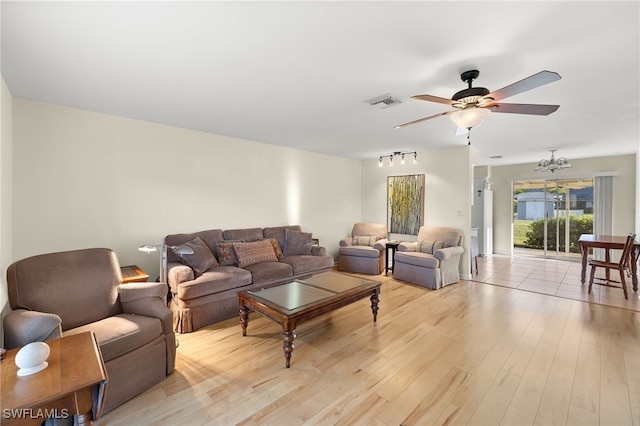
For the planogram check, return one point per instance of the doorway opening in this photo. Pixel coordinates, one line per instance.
(549, 215)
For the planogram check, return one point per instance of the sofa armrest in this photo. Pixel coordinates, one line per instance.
(178, 273)
(447, 253)
(408, 246)
(149, 299)
(318, 251)
(22, 327)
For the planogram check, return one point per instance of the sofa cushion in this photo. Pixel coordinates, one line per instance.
(359, 251)
(364, 240)
(210, 238)
(364, 228)
(120, 334)
(268, 271)
(249, 234)
(226, 254)
(201, 259)
(417, 258)
(213, 281)
(278, 232)
(297, 242)
(254, 252)
(450, 236)
(303, 264)
(429, 246)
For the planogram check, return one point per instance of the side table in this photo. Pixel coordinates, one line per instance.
(390, 247)
(133, 274)
(73, 383)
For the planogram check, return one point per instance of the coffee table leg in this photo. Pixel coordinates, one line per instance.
(288, 336)
(244, 318)
(375, 299)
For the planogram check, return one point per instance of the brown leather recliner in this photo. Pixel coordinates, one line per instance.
(59, 294)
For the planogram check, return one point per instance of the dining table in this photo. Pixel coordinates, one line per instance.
(608, 243)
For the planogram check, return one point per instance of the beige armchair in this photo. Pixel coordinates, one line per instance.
(433, 261)
(363, 250)
(59, 294)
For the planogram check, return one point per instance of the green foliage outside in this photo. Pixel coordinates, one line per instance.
(534, 236)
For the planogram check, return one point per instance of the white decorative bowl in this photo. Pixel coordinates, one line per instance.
(32, 358)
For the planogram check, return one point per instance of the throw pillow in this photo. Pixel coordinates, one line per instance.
(427, 246)
(297, 242)
(276, 248)
(254, 252)
(201, 259)
(364, 240)
(226, 253)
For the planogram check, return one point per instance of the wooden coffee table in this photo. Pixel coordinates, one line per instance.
(293, 303)
(73, 383)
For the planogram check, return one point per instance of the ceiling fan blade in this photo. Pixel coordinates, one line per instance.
(532, 109)
(431, 98)
(531, 82)
(423, 119)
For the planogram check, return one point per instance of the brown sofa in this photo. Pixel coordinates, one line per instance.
(432, 261)
(204, 285)
(60, 294)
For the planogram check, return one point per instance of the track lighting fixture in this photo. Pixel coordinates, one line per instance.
(397, 154)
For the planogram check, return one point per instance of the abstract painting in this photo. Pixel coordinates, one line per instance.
(405, 207)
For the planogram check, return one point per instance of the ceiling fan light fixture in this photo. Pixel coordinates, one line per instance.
(470, 117)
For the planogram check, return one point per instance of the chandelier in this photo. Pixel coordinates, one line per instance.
(396, 154)
(552, 164)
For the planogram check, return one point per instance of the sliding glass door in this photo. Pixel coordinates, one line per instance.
(549, 215)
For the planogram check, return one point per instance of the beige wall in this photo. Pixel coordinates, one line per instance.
(624, 193)
(6, 225)
(84, 179)
(448, 177)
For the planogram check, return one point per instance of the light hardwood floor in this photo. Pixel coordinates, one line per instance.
(470, 353)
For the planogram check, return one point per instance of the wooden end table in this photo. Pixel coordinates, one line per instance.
(73, 383)
(133, 274)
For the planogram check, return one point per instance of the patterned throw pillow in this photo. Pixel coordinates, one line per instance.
(201, 259)
(226, 254)
(426, 246)
(254, 252)
(276, 248)
(364, 240)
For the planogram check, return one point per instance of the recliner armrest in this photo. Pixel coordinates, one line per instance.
(22, 327)
(408, 246)
(149, 299)
(381, 244)
(448, 252)
(346, 242)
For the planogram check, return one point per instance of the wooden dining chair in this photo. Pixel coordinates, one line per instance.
(623, 266)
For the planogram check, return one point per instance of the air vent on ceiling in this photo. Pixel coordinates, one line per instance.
(384, 101)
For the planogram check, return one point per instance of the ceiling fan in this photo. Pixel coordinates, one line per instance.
(474, 104)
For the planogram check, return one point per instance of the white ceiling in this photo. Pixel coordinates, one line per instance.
(298, 74)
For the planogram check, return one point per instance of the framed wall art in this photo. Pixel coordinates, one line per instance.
(405, 204)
